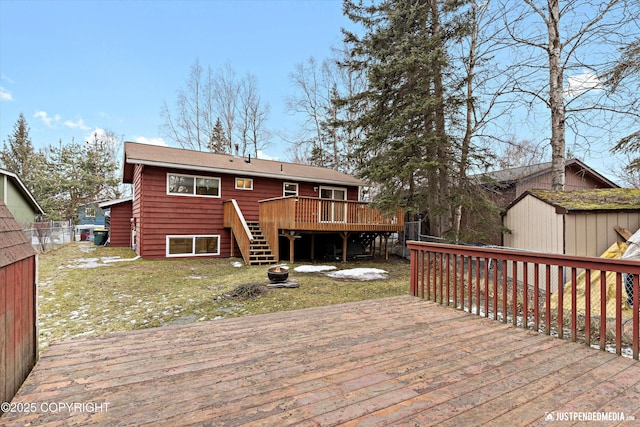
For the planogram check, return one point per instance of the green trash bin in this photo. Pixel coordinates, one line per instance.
(100, 237)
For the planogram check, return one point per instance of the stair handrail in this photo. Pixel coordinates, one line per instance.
(242, 220)
(240, 229)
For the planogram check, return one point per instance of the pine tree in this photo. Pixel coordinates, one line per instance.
(407, 151)
(18, 155)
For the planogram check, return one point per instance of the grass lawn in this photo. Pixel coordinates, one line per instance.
(81, 294)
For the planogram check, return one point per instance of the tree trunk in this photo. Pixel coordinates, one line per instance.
(444, 202)
(556, 99)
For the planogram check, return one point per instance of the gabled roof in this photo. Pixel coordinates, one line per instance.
(26, 194)
(601, 199)
(531, 171)
(194, 161)
(14, 245)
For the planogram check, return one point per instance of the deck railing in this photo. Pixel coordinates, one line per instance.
(234, 219)
(518, 286)
(313, 214)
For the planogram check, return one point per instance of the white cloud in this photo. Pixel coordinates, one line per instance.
(42, 115)
(581, 83)
(78, 124)
(151, 141)
(263, 156)
(97, 133)
(5, 95)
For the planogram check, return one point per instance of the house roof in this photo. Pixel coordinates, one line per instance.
(602, 199)
(14, 245)
(189, 160)
(531, 171)
(26, 194)
(109, 203)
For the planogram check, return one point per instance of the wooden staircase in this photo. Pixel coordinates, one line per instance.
(260, 252)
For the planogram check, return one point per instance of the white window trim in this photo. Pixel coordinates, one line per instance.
(346, 192)
(245, 179)
(284, 184)
(195, 177)
(193, 240)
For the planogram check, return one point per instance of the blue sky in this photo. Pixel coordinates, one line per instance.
(75, 66)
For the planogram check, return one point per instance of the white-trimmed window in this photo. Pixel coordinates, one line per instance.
(244, 184)
(289, 189)
(203, 245)
(190, 185)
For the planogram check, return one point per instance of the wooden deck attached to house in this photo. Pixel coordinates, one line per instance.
(392, 361)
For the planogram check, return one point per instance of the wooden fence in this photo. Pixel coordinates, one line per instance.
(516, 286)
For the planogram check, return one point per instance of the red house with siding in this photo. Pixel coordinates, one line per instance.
(191, 203)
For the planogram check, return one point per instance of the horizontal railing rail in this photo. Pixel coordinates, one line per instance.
(571, 297)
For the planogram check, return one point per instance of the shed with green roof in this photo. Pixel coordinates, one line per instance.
(571, 222)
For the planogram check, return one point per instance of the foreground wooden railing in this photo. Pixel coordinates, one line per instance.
(519, 285)
(234, 219)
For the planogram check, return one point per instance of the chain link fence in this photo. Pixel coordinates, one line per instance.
(46, 235)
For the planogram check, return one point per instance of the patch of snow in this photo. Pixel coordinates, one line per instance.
(313, 268)
(85, 263)
(359, 274)
(236, 264)
(117, 259)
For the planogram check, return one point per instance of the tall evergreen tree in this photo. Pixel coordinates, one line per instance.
(18, 155)
(407, 150)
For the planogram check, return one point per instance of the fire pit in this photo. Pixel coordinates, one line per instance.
(278, 273)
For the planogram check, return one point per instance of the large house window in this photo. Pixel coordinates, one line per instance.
(244, 184)
(187, 185)
(193, 245)
(290, 189)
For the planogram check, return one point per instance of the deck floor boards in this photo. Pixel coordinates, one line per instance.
(391, 361)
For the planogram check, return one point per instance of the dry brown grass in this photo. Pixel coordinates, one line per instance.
(75, 300)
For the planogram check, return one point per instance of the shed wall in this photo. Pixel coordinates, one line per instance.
(591, 233)
(18, 327)
(534, 226)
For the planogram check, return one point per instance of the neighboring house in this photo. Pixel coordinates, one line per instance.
(90, 214)
(192, 203)
(118, 216)
(18, 199)
(505, 186)
(509, 184)
(18, 326)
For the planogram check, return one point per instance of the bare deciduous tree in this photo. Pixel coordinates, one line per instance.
(217, 110)
(323, 140)
(559, 52)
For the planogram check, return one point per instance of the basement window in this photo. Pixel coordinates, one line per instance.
(204, 245)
